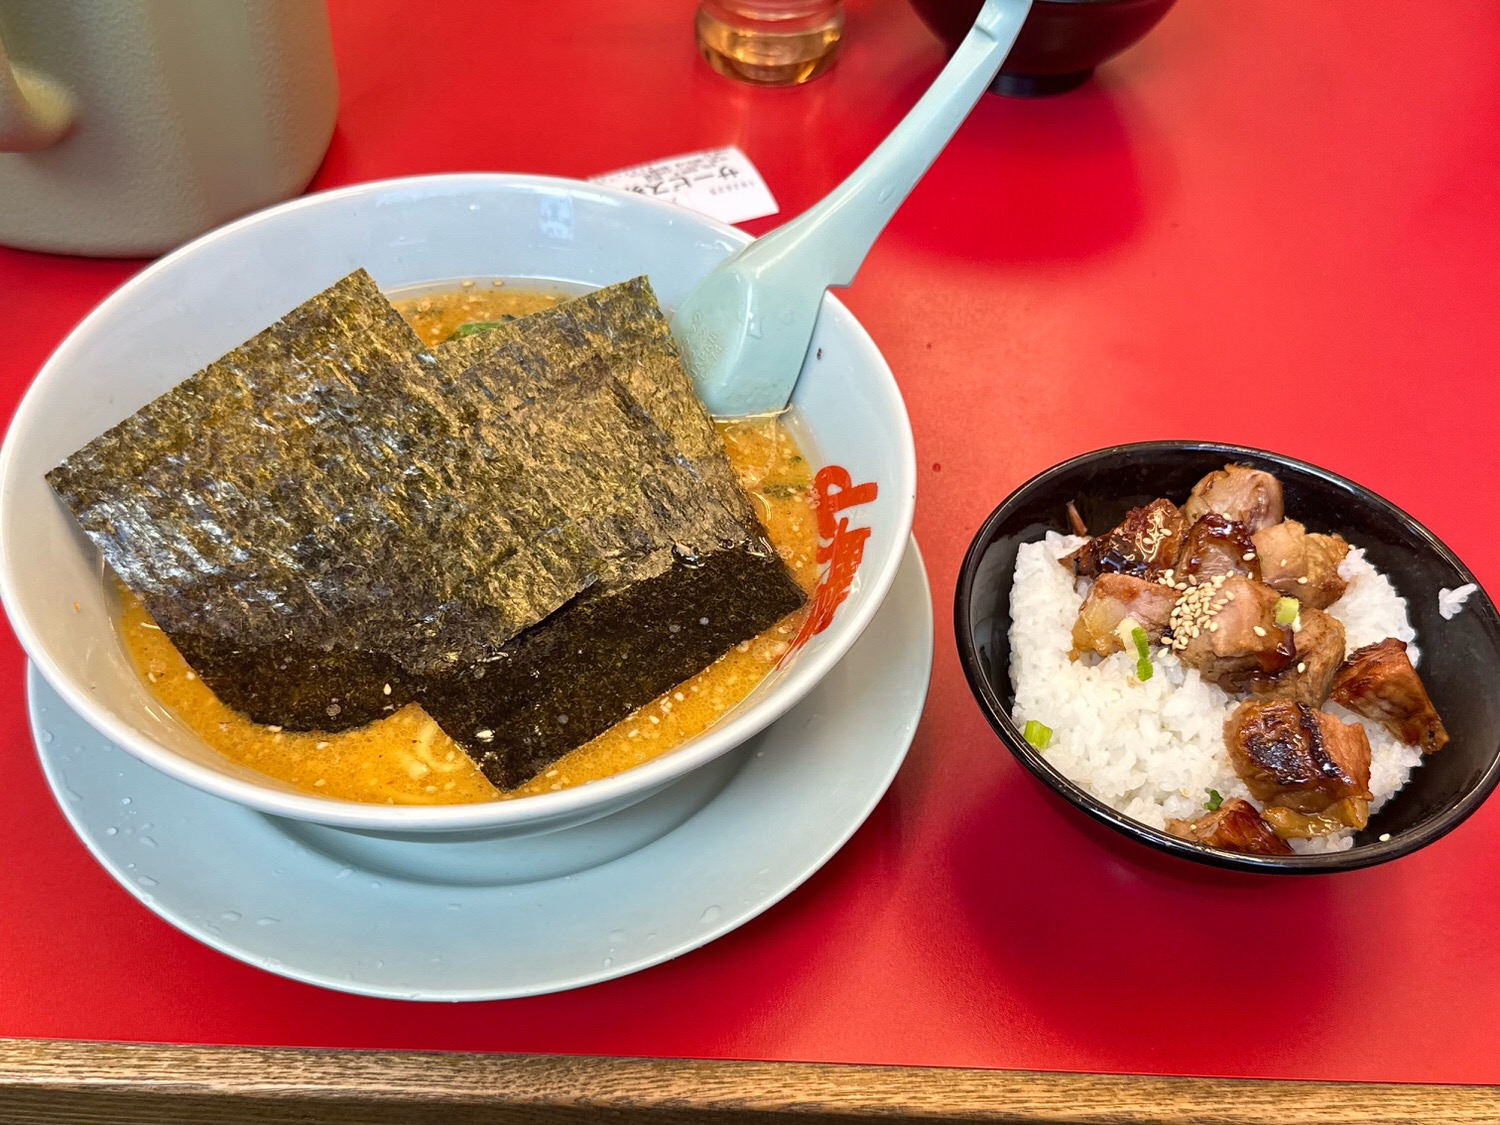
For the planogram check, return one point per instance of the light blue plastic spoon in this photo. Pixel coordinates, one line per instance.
(744, 330)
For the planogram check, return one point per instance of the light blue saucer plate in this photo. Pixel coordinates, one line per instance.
(479, 920)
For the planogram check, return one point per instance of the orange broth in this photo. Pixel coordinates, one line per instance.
(406, 758)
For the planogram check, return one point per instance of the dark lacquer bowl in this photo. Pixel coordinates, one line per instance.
(1061, 42)
(1460, 662)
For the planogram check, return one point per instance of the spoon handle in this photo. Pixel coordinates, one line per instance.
(836, 234)
(744, 330)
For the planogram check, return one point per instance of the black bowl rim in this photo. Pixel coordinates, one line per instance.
(1355, 858)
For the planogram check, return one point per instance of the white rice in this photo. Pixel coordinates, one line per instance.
(1152, 749)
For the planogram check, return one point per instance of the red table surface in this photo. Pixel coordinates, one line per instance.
(1274, 222)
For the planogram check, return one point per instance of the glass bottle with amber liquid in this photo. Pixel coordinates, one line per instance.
(769, 42)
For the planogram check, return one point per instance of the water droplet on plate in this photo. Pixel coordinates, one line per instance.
(231, 916)
(148, 842)
(609, 962)
(617, 937)
(710, 915)
(146, 881)
(267, 921)
(111, 831)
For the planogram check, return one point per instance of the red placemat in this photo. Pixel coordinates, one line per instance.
(1275, 223)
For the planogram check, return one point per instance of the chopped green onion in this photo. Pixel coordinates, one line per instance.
(1214, 800)
(475, 326)
(1039, 735)
(1143, 654)
(1286, 611)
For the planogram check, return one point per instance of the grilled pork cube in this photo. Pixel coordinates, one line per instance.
(1282, 550)
(1289, 824)
(1143, 545)
(1214, 545)
(1234, 826)
(1111, 600)
(1226, 628)
(1248, 496)
(1324, 584)
(1308, 676)
(1301, 565)
(1294, 757)
(1379, 682)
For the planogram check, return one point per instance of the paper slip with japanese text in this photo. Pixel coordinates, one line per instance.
(720, 183)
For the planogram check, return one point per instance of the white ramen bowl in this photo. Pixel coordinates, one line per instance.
(211, 295)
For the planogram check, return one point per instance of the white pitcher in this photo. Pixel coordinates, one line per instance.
(129, 126)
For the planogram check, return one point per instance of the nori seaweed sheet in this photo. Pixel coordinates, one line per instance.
(625, 322)
(618, 648)
(531, 531)
(709, 580)
(302, 509)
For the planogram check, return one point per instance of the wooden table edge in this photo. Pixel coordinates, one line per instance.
(45, 1080)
